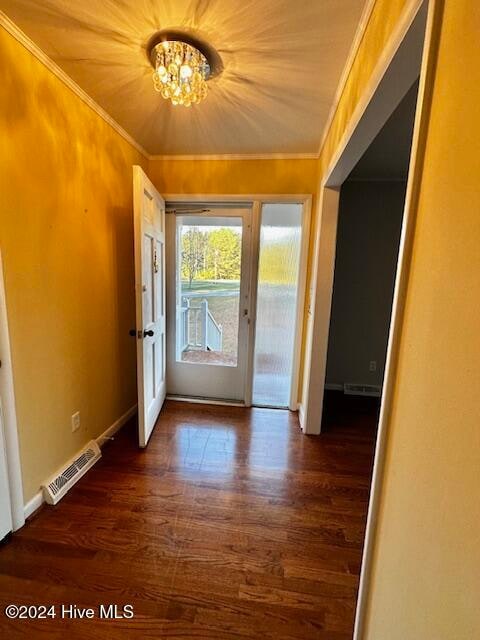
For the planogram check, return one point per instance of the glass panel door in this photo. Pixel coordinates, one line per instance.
(208, 304)
(278, 268)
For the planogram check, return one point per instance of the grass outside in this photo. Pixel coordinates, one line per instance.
(207, 286)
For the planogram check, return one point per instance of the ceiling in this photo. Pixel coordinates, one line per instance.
(388, 156)
(282, 59)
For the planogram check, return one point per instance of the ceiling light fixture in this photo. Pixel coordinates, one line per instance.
(182, 65)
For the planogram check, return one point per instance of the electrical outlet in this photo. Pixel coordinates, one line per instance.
(76, 421)
(373, 365)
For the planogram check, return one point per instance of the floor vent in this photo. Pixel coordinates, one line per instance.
(362, 390)
(58, 485)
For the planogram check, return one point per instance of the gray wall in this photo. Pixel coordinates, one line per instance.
(368, 236)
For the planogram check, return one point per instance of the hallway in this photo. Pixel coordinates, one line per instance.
(231, 524)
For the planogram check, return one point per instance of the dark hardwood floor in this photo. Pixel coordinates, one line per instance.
(231, 524)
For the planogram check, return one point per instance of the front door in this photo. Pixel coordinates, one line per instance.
(149, 214)
(208, 303)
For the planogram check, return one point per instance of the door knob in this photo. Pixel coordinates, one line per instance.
(132, 332)
(148, 333)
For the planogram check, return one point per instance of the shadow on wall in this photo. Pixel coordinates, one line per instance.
(67, 242)
(368, 237)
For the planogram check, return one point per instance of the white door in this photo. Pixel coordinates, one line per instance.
(149, 218)
(5, 506)
(208, 264)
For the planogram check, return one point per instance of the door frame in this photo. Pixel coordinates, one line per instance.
(420, 24)
(256, 201)
(394, 75)
(9, 416)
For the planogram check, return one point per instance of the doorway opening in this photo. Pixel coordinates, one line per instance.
(370, 217)
(235, 296)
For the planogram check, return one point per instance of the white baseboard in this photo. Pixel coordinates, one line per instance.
(33, 504)
(37, 500)
(301, 415)
(116, 426)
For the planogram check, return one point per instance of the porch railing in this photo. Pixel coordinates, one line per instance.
(197, 328)
(213, 331)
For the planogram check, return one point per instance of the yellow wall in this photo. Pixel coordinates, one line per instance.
(67, 246)
(234, 176)
(426, 575)
(383, 20)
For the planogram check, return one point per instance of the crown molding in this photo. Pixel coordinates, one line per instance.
(24, 40)
(352, 54)
(52, 66)
(239, 156)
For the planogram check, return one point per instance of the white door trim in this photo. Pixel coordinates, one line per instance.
(7, 394)
(318, 323)
(301, 297)
(257, 200)
(254, 259)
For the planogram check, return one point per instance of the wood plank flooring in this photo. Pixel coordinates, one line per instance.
(231, 524)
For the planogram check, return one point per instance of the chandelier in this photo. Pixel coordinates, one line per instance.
(181, 70)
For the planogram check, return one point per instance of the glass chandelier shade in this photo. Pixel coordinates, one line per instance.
(181, 72)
